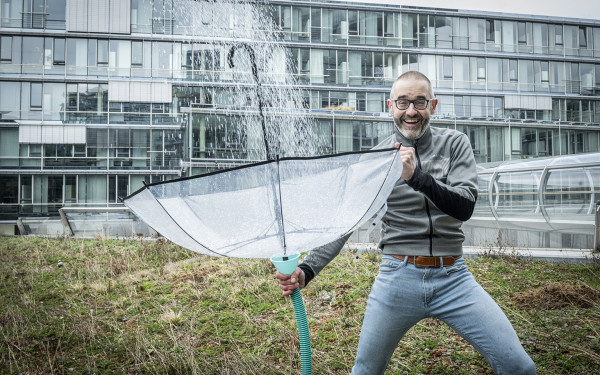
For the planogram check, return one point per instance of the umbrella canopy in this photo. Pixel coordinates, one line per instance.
(286, 205)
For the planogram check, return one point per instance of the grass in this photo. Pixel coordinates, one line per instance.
(130, 307)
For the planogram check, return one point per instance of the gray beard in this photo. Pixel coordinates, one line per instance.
(412, 134)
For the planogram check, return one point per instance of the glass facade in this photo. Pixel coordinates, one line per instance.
(72, 134)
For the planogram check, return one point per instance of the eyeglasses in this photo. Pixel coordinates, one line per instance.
(403, 104)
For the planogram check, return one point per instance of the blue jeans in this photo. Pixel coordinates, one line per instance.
(403, 294)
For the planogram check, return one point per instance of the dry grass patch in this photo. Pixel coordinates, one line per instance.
(170, 317)
(98, 287)
(556, 296)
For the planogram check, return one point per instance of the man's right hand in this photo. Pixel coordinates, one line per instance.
(288, 283)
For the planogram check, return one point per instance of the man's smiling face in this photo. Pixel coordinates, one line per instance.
(412, 122)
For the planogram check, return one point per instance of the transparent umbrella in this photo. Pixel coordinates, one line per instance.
(287, 205)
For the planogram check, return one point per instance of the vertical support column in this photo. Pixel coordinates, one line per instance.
(597, 228)
(65, 223)
(22, 228)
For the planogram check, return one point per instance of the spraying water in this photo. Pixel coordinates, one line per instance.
(254, 76)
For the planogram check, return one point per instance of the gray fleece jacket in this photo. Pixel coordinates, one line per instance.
(425, 213)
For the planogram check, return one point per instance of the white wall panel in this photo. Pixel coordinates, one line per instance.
(52, 134)
(512, 101)
(162, 92)
(120, 21)
(77, 15)
(118, 91)
(30, 134)
(544, 102)
(140, 92)
(528, 102)
(98, 12)
(74, 134)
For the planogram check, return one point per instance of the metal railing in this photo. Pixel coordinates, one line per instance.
(95, 117)
(540, 195)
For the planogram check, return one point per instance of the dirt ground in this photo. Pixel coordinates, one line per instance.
(556, 296)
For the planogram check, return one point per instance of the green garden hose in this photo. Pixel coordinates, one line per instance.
(303, 333)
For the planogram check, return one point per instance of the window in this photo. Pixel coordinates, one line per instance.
(540, 38)
(6, 49)
(55, 14)
(162, 57)
(33, 50)
(102, 52)
(35, 151)
(526, 75)
(480, 69)
(92, 45)
(71, 104)
(352, 22)
(545, 76)
(12, 13)
(50, 151)
(389, 29)
(510, 36)
(489, 30)
(558, 35)
(409, 30)
(59, 52)
(300, 23)
(120, 57)
(443, 31)
(79, 151)
(448, 67)
(512, 70)
(36, 96)
(114, 107)
(137, 54)
(494, 73)
(477, 33)
(522, 33)
(77, 56)
(582, 37)
(141, 16)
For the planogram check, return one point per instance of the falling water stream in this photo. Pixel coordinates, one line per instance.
(255, 87)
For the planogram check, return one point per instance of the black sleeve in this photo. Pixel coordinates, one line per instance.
(448, 201)
(308, 273)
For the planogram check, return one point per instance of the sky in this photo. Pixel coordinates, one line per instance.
(589, 9)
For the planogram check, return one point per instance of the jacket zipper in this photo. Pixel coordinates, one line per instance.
(426, 205)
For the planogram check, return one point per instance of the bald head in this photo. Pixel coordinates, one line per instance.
(414, 75)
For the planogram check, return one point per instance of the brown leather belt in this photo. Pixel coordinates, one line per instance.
(429, 261)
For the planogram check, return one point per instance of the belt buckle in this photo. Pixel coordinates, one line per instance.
(418, 265)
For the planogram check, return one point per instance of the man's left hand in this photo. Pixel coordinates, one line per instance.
(409, 161)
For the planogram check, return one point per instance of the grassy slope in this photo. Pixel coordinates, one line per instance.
(137, 307)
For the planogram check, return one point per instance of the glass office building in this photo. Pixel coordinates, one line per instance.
(99, 96)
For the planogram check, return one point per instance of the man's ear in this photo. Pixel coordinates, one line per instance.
(434, 103)
(390, 106)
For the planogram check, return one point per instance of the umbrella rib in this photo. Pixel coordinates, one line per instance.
(281, 206)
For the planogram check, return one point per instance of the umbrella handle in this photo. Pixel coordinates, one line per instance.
(303, 332)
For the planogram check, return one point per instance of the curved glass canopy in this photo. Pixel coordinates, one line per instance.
(286, 205)
(545, 194)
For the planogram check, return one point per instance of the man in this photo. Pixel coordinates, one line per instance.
(422, 273)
